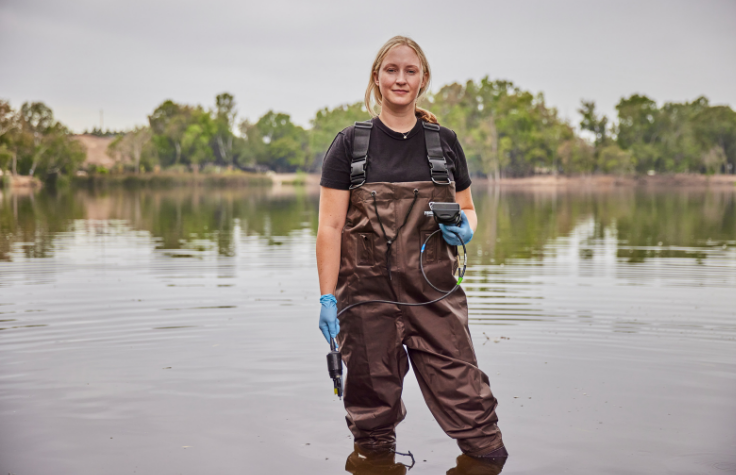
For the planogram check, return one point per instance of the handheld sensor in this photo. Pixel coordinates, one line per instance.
(334, 367)
(445, 213)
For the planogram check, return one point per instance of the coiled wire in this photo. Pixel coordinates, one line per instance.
(461, 274)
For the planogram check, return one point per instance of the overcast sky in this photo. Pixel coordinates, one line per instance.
(126, 57)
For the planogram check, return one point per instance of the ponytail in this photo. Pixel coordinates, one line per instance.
(425, 115)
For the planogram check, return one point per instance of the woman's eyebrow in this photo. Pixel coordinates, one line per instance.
(393, 65)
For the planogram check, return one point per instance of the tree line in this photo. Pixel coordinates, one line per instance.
(504, 130)
(32, 142)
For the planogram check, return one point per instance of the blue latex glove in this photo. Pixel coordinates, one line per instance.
(328, 322)
(466, 234)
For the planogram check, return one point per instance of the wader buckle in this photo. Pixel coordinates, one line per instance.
(357, 172)
(437, 164)
(438, 171)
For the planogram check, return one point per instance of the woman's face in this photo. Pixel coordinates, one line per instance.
(400, 76)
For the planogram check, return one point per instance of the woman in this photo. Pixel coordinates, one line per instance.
(377, 181)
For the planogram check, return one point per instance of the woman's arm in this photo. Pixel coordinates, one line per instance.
(465, 200)
(333, 208)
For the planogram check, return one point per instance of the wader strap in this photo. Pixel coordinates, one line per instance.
(360, 153)
(437, 163)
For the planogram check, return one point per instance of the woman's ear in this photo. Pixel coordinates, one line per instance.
(375, 77)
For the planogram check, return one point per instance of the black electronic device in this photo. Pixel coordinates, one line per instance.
(445, 213)
(334, 367)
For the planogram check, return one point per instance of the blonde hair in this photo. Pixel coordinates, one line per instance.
(373, 93)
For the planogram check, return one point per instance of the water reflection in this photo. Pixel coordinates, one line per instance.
(180, 318)
(367, 463)
(642, 224)
(472, 466)
(389, 463)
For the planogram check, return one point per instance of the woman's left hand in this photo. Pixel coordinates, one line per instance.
(464, 231)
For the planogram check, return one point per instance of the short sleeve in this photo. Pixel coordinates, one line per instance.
(336, 165)
(461, 173)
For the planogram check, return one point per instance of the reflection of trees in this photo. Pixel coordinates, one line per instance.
(177, 218)
(518, 224)
(512, 224)
(31, 221)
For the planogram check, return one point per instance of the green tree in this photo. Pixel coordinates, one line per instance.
(191, 135)
(38, 144)
(251, 150)
(132, 146)
(678, 137)
(482, 143)
(576, 156)
(276, 142)
(612, 159)
(224, 120)
(592, 122)
(638, 131)
(8, 124)
(503, 129)
(713, 160)
(716, 127)
(63, 154)
(169, 122)
(637, 120)
(327, 123)
(679, 148)
(197, 139)
(36, 120)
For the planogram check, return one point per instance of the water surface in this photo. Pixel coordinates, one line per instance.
(176, 332)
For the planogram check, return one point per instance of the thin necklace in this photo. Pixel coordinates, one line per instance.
(405, 134)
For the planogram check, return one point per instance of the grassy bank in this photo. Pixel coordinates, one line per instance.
(168, 180)
(10, 181)
(171, 180)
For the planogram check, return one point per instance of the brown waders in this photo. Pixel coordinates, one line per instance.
(372, 337)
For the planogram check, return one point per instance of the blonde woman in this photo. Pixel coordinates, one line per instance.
(377, 181)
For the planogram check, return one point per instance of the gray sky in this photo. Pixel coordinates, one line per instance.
(296, 56)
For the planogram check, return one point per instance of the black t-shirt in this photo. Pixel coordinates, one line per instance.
(393, 158)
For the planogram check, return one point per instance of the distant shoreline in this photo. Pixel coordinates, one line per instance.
(240, 179)
(677, 180)
(586, 182)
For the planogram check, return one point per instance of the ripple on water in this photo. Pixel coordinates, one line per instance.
(114, 326)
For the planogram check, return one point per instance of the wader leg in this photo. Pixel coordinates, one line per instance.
(376, 365)
(457, 392)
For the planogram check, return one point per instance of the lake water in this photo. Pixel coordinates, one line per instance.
(165, 332)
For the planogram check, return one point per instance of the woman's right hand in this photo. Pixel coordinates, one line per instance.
(333, 207)
(328, 323)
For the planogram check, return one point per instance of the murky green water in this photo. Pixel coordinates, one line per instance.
(176, 332)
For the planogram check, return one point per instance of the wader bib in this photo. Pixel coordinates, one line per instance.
(380, 260)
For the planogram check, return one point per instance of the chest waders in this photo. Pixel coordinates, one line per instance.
(381, 244)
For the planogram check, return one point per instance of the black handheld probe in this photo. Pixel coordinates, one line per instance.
(334, 367)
